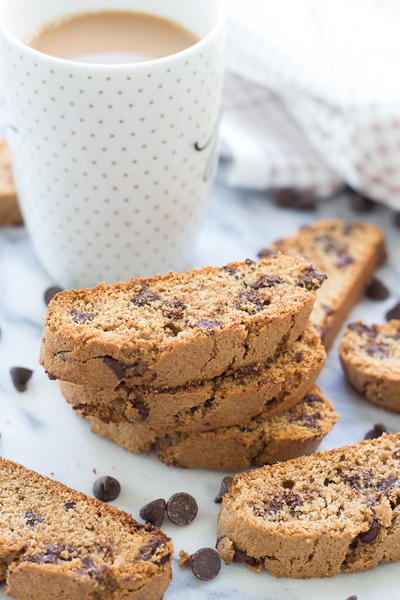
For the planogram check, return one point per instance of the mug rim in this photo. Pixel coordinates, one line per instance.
(81, 65)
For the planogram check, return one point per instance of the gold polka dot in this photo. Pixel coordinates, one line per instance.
(100, 92)
(120, 92)
(110, 106)
(71, 75)
(89, 77)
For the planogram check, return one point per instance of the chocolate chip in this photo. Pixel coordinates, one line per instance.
(148, 551)
(154, 512)
(266, 281)
(224, 488)
(174, 310)
(312, 399)
(182, 508)
(90, 569)
(285, 197)
(205, 563)
(81, 317)
(360, 327)
(208, 323)
(380, 350)
(106, 488)
(144, 297)
(312, 279)
(376, 432)
(50, 556)
(348, 227)
(377, 290)
(367, 537)
(229, 269)
(249, 261)
(267, 252)
(50, 293)
(298, 357)
(297, 199)
(142, 407)
(20, 377)
(250, 299)
(344, 260)
(32, 518)
(396, 454)
(69, 505)
(352, 598)
(393, 313)
(115, 365)
(360, 203)
(242, 557)
(396, 219)
(387, 483)
(327, 309)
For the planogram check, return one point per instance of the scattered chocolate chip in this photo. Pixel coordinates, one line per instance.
(312, 279)
(224, 488)
(379, 350)
(360, 203)
(249, 261)
(285, 197)
(69, 505)
(367, 537)
(229, 269)
(154, 512)
(115, 365)
(387, 483)
(81, 317)
(144, 297)
(242, 557)
(393, 313)
(182, 508)
(266, 281)
(142, 407)
(208, 323)
(312, 399)
(298, 357)
(344, 260)
(32, 518)
(267, 252)
(360, 327)
(328, 310)
(51, 555)
(90, 569)
(352, 598)
(251, 299)
(377, 290)
(174, 310)
(376, 432)
(20, 377)
(106, 488)
(50, 293)
(205, 563)
(396, 219)
(147, 551)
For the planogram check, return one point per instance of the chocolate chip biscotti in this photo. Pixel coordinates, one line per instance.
(179, 328)
(349, 253)
(336, 511)
(370, 356)
(263, 440)
(57, 543)
(10, 213)
(270, 387)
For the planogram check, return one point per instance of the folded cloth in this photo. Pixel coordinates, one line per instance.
(312, 96)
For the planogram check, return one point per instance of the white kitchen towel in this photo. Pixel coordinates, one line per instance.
(313, 96)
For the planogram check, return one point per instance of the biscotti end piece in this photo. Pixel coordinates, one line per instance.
(370, 356)
(209, 320)
(349, 253)
(231, 449)
(10, 213)
(269, 388)
(336, 511)
(58, 543)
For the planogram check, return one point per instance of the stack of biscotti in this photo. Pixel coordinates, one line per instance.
(192, 355)
(349, 253)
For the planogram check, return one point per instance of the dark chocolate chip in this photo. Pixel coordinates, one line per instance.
(352, 598)
(229, 269)
(393, 313)
(148, 551)
(50, 293)
(224, 488)
(396, 219)
(90, 569)
(387, 483)
(81, 317)
(154, 512)
(266, 281)
(312, 279)
(306, 200)
(298, 357)
(208, 323)
(344, 260)
(267, 252)
(20, 377)
(312, 398)
(69, 505)
(360, 327)
(286, 197)
(115, 365)
(182, 508)
(249, 261)
(376, 432)
(50, 556)
(377, 290)
(174, 310)
(380, 350)
(32, 518)
(242, 557)
(205, 563)
(144, 297)
(106, 488)
(367, 537)
(142, 407)
(360, 203)
(251, 298)
(327, 309)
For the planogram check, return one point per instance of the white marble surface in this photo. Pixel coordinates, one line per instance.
(39, 430)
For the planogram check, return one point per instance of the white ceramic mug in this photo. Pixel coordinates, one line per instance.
(113, 163)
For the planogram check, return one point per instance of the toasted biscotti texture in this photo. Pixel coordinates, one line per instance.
(270, 387)
(370, 356)
(57, 543)
(336, 511)
(349, 253)
(263, 440)
(10, 213)
(179, 328)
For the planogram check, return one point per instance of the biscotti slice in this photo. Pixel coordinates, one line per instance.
(10, 213)
(179, 328)
(370, 356)
(271, 387)
(263, 440)
(336, 511)
(57, 543)
(349, 253)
